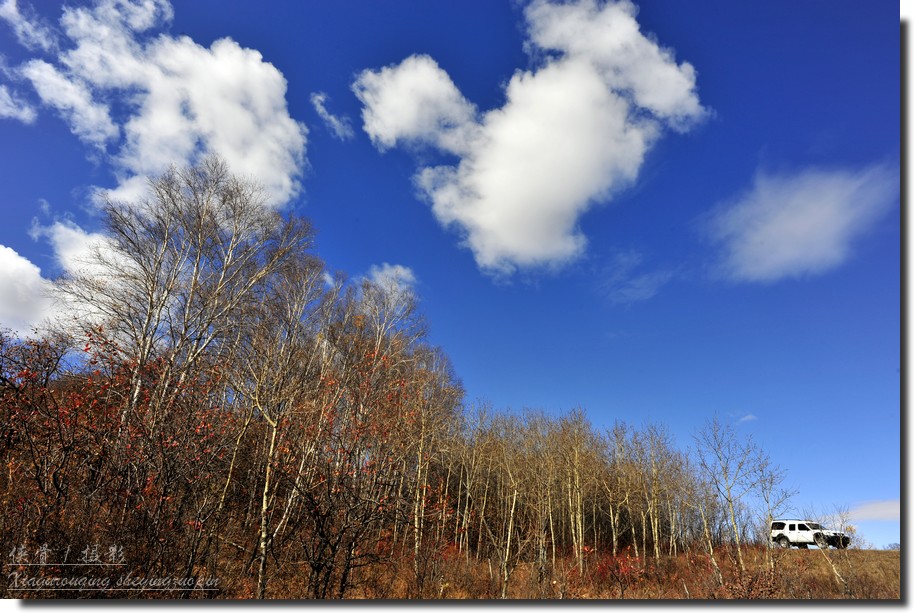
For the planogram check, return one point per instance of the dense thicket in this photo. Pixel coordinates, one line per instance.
(216, 409)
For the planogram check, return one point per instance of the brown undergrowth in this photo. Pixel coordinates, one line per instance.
(795, 574)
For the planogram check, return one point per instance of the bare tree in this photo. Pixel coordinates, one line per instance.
(736, 467)
(274, 372)
(200, 281)
(775, 499)
(177, 270)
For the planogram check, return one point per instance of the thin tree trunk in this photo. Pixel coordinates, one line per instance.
(710, 544)
(506, 558)
(264, 508)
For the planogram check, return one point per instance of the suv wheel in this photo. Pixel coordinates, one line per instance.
(784, 543)
(821, 541)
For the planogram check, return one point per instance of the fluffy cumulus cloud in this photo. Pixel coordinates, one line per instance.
(144, 100)
(571, 133)
(609, 38)
(25, 300)
(414, 102)
(799, 224)
(152, 100)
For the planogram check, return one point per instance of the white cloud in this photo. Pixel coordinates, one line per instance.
(571, 133)
(225, 100)
(339, 126)
(175, 100)
(791, 225)
(609, 37)
(107, 50)
(414, 101)
(73, 247)
(25, 300)
(12, 107)
(138, 15)
(79, 253)
(889, 510)
(89, 120)
(29, 30)
(152, 101)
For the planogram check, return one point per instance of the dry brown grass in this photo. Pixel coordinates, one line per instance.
(797, 575)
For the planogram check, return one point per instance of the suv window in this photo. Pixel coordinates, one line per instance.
(792, 527)
(778, 525)
(803, 527)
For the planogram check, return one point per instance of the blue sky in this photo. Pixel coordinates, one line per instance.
(655, 212)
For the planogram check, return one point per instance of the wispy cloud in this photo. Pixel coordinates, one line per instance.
(73, 247)
(572, 132)
(625, 283)
(30, 31)
(339, 126)
(802, 223)
(12, 107)
(887, 510)
(88, 119)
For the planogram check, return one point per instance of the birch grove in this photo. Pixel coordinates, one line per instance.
(218, 408)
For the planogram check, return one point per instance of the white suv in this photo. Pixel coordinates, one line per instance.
(802, 533)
